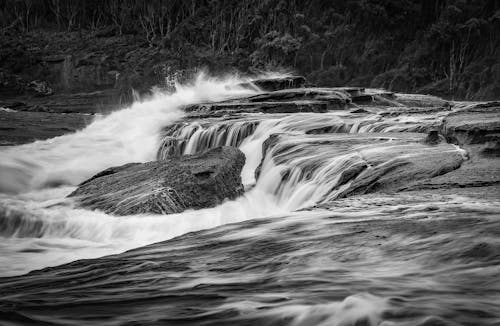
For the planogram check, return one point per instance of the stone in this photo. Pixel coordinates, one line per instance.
(274, 84)
(264, 107)
(492, 145)
(165, 187)
(332, 95)
(40, 88)
(432, 138)
(473, 125)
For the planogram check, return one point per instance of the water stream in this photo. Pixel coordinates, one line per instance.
(305, 263)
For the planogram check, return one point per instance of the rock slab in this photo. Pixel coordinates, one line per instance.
(167, 186)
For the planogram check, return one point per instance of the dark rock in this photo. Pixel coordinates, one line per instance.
(473, 125)
(283, 101)
(165, 187)
(274, 84)
(492, 145)
(359, 110)
(352, 91)
(264, 107)
(364, 98)
(334, 96)
(15, 105)
(419, 100)
(432, 138)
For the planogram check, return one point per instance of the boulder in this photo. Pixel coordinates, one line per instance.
(165, 187)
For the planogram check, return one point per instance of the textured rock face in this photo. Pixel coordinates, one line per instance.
(274, 84)
(165, 187)
(474, 125)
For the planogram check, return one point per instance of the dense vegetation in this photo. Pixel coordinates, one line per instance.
(447, 47)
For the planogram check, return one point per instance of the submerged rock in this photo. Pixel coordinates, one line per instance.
(165, 187)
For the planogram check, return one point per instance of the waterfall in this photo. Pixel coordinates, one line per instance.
(293, 161)
(195, 138)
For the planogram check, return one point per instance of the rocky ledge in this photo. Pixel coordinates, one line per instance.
(314, 99)
(167, 186)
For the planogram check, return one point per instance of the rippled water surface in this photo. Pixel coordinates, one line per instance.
(411, 259)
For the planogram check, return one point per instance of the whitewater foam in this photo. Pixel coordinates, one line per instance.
(128, 135)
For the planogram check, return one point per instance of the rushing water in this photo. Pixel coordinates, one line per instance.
(39, 227)
(274, 256)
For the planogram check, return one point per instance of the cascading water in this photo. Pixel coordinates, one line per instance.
(301, 171)
(301, 265)
(35, 217)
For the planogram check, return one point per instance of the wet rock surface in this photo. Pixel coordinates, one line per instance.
(165, 186)
(456, 145)
(473, 125)
(278, 83)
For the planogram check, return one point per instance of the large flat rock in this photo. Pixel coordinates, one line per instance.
(165, 187)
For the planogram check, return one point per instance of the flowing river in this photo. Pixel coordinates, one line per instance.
(312, 241)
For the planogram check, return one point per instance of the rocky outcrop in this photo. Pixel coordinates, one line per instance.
(264, 107)
(165, 187)
(476, 124)
(274, 84)
(281, 101)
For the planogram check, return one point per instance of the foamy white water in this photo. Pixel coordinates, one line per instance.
(128, 135)
(40, 228)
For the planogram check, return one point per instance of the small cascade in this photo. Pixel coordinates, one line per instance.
(187, 139)
(304, 171)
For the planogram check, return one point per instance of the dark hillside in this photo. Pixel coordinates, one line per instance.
(449, 48)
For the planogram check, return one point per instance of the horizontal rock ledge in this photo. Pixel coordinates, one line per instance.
(167, 186)
(274, 84)
(264, 107)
